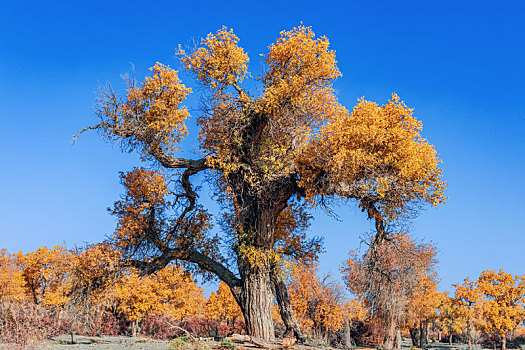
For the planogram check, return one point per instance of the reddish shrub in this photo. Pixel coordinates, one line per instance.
(24, 323)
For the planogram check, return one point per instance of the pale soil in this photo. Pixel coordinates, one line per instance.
(116, 343)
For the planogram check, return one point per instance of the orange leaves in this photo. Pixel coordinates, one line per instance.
(168, 292)
(299, 65)
(93, 279)
(452, 316)
(467, 295)
(495, 303)
(145, 185)
(151, 117)
(222, 306)
(219, 62)
(156, 103)
(145, 192)
(46, 274)
(503, 301)
(425, 300)
(375, 152)
(316, 304)
(11, 281)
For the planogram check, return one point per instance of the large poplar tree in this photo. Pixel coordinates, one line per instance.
(268, 152)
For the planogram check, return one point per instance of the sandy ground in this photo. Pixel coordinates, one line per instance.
(115, 343)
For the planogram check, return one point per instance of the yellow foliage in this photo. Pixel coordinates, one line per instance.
(11, 281)
(300, 71)
(170, 292)
(145, 190)
(375, 152)
(356, 311)
(219, 62)
(467, 296)
(425, 300)
(221, 305)
(502, 306)
(46, 274)
(452, 316)
(316, 305)
(257, 257)
(157, 104)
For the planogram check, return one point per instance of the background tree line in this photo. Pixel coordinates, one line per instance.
(88, 291)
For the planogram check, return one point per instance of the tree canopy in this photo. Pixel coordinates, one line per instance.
(271, 153)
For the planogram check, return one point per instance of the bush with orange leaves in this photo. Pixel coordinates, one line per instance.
(318, 305)
(169, 292)
(11, 281)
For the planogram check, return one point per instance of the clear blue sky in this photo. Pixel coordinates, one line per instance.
(460, 64)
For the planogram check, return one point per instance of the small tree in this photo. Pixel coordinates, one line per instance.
(46, 274)
(452, 317)
(502, 303)
(467, 295)
(169, 292)
(318, 304)
(222, 306)
(423, 306)
(388, 279)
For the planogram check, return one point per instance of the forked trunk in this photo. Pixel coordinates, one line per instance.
(258, 299)
(285, 308)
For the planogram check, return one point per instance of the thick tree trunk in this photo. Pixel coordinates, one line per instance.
(504, 342)
(258, 299)
(390, 336)
(285, 308)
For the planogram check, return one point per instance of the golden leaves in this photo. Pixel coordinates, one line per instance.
(170, 292)
(316, 305)
(156, 103)
(299, 65)
(151, 118)
(11, 281)
(45, 274)
(503, 301)
(219, 62)
(221, 305)
(374, 152)
(452, 316)
(145, 191)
